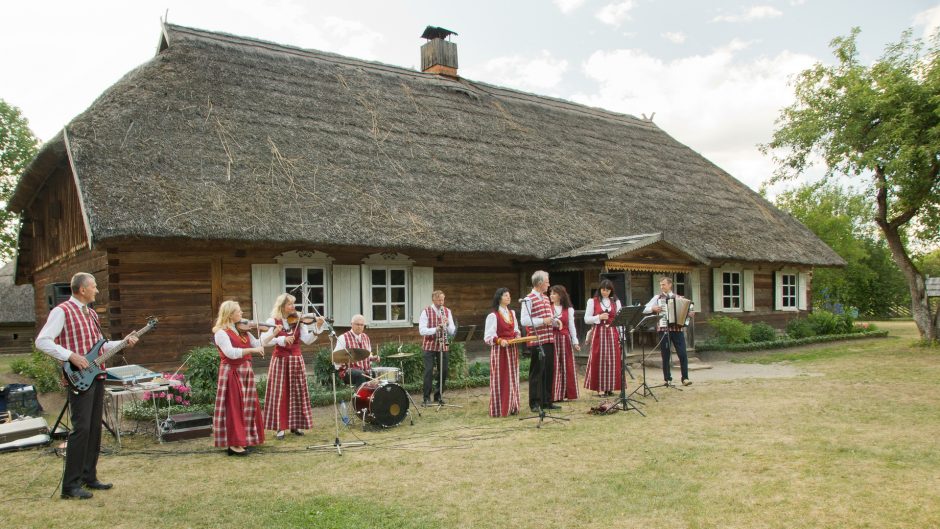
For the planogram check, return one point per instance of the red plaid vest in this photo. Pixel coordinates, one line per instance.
(433, 343)
(292, 349)
(81, 331)
(539, 307)
(360, 342)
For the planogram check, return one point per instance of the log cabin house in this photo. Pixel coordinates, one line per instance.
(232, 168)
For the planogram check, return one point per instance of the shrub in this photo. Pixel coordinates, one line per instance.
(762, 332)
(730, 330)
(42, 369)
(864, 327)
(800, 328)
(825, 322)
(202, 370)
(479, 369)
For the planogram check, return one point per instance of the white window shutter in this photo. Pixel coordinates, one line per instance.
(747, 278)
(366, 301)
(716, 291)
(422, 285)
(802, 284)
(778, 290)
(346, 297)
(695, 289)
(656, 279)
(266, 286)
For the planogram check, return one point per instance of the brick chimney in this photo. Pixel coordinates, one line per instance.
(438, 56)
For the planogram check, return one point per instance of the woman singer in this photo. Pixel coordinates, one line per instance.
(604, 364)
(502, 326)
(565, 386)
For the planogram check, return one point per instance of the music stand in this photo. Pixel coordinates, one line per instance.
(628, 317)
(647, 389)
(461, 335)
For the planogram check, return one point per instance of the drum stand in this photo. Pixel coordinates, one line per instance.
(337, 444)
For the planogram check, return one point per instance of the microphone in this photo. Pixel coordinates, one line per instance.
(523, 300)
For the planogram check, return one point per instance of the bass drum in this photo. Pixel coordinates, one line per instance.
(382, 404)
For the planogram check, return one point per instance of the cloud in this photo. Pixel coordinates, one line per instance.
(751, 14)
(717, 103)
(352, 38)
(567, 6)
(616, 13)
(676, 37)
(930, 19)
(538, 74)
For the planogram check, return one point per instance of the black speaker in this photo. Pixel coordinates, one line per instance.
(57, 293)
(619, 279)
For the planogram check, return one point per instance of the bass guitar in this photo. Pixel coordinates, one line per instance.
(81, 379)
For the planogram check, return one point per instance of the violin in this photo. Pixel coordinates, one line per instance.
(306, 319)
(244, 327)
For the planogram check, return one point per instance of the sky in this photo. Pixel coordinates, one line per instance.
(713, 74)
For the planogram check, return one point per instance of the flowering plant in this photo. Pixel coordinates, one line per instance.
(178, 395)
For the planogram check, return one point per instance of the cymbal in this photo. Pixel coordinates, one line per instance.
(351, 354)
(400, 355)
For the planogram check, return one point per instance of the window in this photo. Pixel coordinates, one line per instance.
(731, 290)
(788, 291)
(679, 285)
(389, 294)
(308, 285)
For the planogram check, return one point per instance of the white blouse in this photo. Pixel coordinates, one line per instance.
(224, 342)
(589, 316)
(489, 330)
(572, 330)
(306, 336)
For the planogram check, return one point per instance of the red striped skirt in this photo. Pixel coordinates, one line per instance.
(504, 381)
(603, 369)
(565, 385)
(286, 401)
(237, 417)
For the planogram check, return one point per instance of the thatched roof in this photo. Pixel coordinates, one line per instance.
(16, 302)
(221, 137)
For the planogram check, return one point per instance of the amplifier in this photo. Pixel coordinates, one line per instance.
(129, 375)
(185, 426)
(22, 428)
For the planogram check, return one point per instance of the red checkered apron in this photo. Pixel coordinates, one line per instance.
(286, 401)
(603, 369)
(504, 369)
(236, 420)
(566, 375)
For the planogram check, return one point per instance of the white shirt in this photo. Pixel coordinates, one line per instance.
(224, 341)
(527, 318)
(572, 331)
(45, 342)
(589, 316)
(423, 328)
(489, 330)
(306, 336)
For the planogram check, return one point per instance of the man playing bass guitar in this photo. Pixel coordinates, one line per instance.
(70, 332)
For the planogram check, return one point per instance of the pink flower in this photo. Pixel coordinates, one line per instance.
(185, 403)
(162, 395)
(179, 399)
(145, 396)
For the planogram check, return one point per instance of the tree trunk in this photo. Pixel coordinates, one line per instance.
(920, 308)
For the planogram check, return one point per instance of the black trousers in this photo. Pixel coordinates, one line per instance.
(432, 358)
(677, 339)
(81, 456)
(356, 377)
(540, 387)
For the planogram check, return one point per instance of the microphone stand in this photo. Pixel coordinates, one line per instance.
(541, 415)
(440, 365)
(337, 444)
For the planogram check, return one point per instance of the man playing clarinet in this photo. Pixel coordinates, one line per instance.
(436, 326)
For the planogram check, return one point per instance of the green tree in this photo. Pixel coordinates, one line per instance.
(842, 219)
(18, 146)
(929, 263)
(878, 125)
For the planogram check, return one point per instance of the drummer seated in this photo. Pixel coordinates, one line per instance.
(349, 344)
(354, 376)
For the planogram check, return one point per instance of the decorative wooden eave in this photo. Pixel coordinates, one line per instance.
(637, 266)
(641, 252)
(78, 188)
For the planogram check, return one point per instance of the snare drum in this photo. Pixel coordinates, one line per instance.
(381, 403)
(388, 374)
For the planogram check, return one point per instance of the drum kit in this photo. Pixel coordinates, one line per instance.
(381, 400)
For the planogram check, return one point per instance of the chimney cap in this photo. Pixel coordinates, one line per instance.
(432, 32)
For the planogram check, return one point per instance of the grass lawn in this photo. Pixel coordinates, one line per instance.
(850, 442)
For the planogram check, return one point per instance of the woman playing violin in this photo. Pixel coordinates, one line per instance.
(286, 403)
(236, 422)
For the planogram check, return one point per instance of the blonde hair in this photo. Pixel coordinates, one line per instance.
(278, 311)
(224, 319)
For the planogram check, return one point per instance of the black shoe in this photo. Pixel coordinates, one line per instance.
(231, 452)
(426, 402)
(77, 492)
(97, 485)
(552, 407)
(297, 432)
(535, 409)
(441, 402)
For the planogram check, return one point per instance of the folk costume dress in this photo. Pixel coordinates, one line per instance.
(237, 417)
(504, 362)
(565, 385)
(286, 402)
(604, 365)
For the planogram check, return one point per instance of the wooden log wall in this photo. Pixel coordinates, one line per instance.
(91, 261)
(16, 338)
(53, 226)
